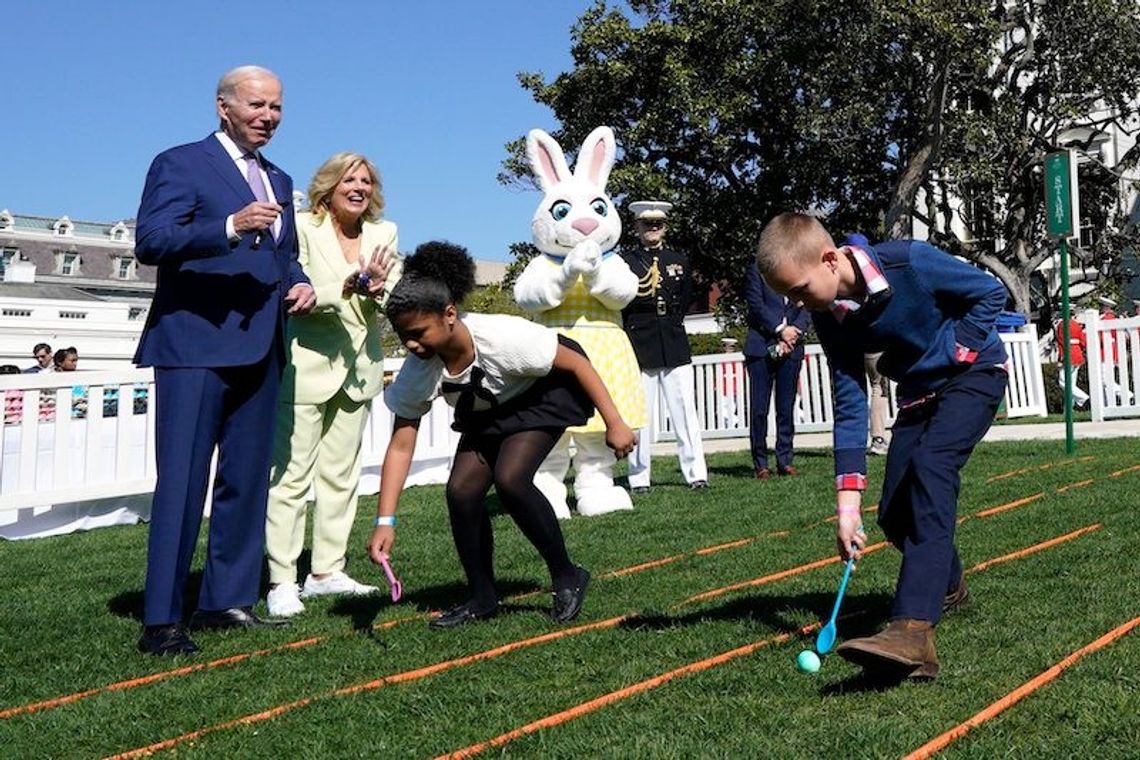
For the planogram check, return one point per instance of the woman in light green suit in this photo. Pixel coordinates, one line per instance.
(334, 368)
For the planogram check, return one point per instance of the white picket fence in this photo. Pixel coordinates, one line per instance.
(101, 445)
(722, 391)
(1113, 358)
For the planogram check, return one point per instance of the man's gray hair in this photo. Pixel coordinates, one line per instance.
(227, 85)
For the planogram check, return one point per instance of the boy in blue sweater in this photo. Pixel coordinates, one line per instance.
(933, 318)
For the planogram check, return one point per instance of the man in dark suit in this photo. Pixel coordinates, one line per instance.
(773, 354)
(216, 218)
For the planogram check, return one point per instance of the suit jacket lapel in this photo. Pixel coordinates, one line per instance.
(332, 259)
(226, 168)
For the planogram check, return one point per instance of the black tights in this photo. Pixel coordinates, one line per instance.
(509, 462)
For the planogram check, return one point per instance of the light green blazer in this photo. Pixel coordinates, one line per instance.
(338, 344)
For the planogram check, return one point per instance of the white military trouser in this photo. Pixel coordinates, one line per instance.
(676, 383)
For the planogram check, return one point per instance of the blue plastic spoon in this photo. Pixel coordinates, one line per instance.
(826, 638)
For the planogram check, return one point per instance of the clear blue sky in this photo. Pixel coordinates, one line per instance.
(426, 89)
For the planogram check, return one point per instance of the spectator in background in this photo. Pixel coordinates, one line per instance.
(43, 356)
(1077, 348)
(66, 359)
(878, 391)
(878, 387)
(655, 322)
(773, 353)
(13, 399)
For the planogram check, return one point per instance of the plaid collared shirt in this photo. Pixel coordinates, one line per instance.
(876, 283)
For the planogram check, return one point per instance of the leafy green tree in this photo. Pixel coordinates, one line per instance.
(867, 113)
(1060, 74)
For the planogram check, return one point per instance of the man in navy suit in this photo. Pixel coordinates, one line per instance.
(773, 354)
(216, 218)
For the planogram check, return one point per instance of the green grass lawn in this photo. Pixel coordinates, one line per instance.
(71, 605)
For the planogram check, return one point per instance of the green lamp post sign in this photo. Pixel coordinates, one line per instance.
(1061, 196)
(1062, 200)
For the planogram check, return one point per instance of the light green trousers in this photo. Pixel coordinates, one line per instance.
(315, 445)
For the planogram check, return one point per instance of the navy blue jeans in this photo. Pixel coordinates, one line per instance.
(930, 445)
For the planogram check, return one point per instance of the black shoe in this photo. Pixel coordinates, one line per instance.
(638, 490)
(461, 614)
(568, 601)
(699, 485)
(163, 640)
(234, 617)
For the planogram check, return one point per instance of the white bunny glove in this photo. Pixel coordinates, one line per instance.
(584, 259)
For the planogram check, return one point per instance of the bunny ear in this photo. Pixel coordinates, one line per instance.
(546, 159)
(596, 157)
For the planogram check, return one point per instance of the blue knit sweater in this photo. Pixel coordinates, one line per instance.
(935, 303)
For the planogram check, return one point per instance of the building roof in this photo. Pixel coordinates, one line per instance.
(44, 290)
(489, 272)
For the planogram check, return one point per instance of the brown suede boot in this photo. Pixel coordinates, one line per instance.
(905, 649)
(956, 598)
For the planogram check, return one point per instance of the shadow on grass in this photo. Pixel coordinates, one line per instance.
(129, 604)
(778, 612)
(363, 610)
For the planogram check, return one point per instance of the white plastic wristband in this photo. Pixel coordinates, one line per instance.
(389, 520)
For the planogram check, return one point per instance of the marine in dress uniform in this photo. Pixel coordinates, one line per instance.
(654, 321)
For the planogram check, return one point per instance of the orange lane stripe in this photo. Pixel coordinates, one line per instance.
(643, 566)
(1045, 466)
(773, 577)
(1009, 700)
(409, 675)
(597, 703)
(1011, 505)
(487, 654)
(722, 547)
(1010, 474)
(143, 680)
(1035, 548)
(1078, 484)
(1118, 473)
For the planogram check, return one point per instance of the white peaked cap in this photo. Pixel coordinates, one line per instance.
(650, 209)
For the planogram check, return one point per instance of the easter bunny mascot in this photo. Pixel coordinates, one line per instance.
(578, 287)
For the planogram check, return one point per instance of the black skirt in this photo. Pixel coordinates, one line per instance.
(555, 401)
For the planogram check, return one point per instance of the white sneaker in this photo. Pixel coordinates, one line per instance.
(336, 583)
(878, 447)
(284, 600)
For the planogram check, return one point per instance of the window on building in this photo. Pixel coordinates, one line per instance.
(136, 313)
(67, 263)
(119, 232)
(125, 268)
(7, 223)
(7, 256)
(63, 227)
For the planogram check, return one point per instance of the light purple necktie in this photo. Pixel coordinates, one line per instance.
(253, 177)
